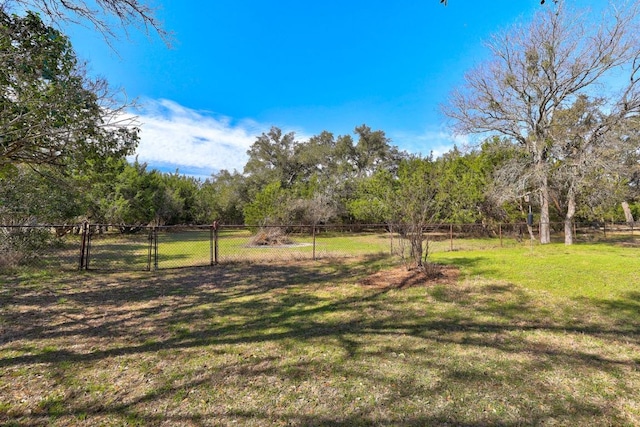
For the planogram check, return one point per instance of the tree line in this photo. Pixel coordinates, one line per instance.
(325, 179)
(555, 108)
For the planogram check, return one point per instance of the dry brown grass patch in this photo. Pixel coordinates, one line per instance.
(401, 278)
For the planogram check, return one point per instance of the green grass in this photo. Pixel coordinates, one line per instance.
(542, 336)
(581, 270)
(194, 248)
(186, 247)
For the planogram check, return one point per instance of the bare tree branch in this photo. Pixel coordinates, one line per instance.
(105, 16)
(558, 63)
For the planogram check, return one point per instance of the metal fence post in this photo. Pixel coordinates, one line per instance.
(216, 247)
(390, 239)
(87, 256)
(313, 231)
(155, 248)
(451, 237)
(150, 249)
(84, 245)
(213, 243)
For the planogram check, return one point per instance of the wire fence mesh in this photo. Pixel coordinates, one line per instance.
(128, 248)
(116, 251)
(55, 246)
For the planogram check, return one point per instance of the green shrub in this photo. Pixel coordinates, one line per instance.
(22, 245)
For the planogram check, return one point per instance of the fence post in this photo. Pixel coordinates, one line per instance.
(87, 256)
(390, 239)
(83, 245)
(155, 247)
(500, 228)
(451, 237)
(313, 231)
(214, 243)
(150, 249)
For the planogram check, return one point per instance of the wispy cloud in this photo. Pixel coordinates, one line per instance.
(199, 143)
(437, 142)
(195, 142)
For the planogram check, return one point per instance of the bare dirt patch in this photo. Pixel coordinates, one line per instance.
(401, 277)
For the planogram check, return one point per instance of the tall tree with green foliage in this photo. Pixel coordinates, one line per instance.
(139, 198)
(222, 197)
(372, 201)
(50, 113)
(463, 183)
(268, 207)
(38, 197)
(407, 201)
(318, 176)
(273, 158)
(183, 191)
(372, 152)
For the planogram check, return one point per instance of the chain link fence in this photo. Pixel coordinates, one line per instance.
(56, 246)
(131, 248)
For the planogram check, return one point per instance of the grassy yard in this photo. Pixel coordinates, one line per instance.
(191, 248)
(541, 336)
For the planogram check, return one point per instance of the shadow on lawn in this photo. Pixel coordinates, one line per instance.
(241, 304)
(624, 312)
(108, 307)
(470, 265)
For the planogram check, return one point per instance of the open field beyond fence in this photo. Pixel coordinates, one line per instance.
(104, 247)
(544, 335)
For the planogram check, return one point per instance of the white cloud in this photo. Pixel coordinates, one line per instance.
(173, 136)
(199, 143)
(437, 142)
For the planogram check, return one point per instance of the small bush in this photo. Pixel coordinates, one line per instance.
(22, 245)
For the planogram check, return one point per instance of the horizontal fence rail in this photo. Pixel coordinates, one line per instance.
(145, 248)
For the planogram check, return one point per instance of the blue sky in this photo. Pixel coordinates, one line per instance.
(238, 67)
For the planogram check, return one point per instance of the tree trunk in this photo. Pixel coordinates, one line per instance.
(545, 226)
(416, 245)
(568, 219)
(627, 213)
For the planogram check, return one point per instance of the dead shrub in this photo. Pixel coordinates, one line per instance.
(272, 236)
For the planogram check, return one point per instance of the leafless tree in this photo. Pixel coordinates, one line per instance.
(539, 71)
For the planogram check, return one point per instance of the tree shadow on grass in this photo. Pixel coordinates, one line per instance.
(419, 352)
(624, 312)
(33, 306)
(471, 265)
